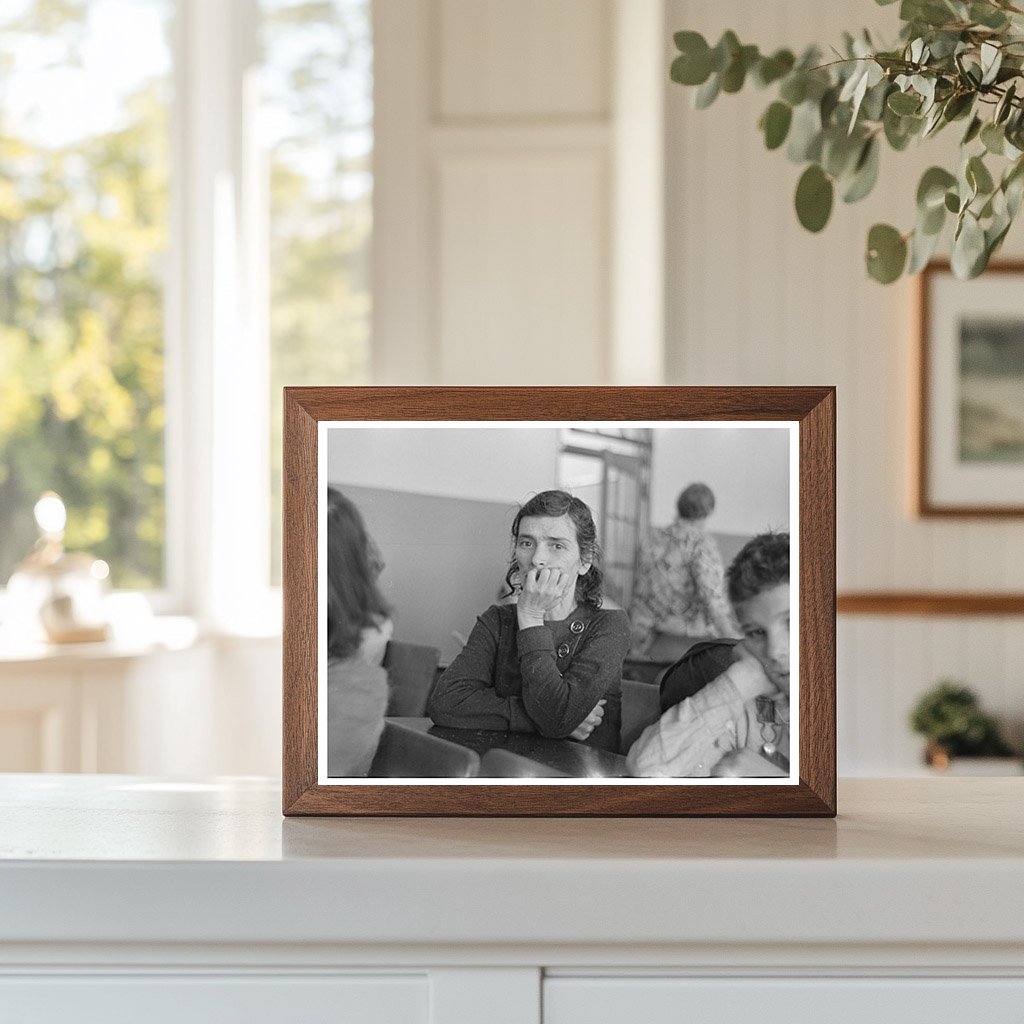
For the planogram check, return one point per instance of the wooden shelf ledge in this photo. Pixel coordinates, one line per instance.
(928, 603)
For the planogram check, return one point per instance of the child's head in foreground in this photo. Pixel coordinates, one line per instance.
(758, 585)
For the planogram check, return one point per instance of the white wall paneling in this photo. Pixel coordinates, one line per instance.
(751, 298)
(518, 200)
(523, 244)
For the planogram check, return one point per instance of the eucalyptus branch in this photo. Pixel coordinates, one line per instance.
(833, 118)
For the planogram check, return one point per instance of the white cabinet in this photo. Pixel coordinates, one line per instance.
(132, 898)
(824, 1000)
(202, 999)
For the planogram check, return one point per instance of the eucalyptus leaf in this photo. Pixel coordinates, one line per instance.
(805, 133)
(968, 247)
(689, 71)
(735, 74)
(933, 122)
(771, 69)
(1013, 187)
(775, 123)
(952, 202)
(900, 130)
(865, 174)
(993, 138)
(814, 195)
(922, 248)
(978, 176)
(1013, 191)
(932, 221)
(943, 44)
(958, 105)
(903, 103)
(931, 190)
(724, 51)
(994, 235)
(840, 152)
(707, 93)
(794, 88)
(1004, 106)
(886, 253)
(931, 12)
(828, 104)
(925, 88)
(987, 15)
(991, 59)
(972, 132)
(873, 106)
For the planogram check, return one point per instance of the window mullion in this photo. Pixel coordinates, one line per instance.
(219, 407)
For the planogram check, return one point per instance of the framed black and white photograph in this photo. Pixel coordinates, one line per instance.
(579, 601)
(970, 453)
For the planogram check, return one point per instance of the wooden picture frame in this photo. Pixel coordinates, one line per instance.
(970, 414)
(806, 413)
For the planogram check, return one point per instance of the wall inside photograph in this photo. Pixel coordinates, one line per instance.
(748, 470)
(444, 560)
(494, 464)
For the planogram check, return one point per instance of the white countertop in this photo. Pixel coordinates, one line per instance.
(126, 859)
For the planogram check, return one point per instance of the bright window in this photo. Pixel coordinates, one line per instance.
(83, 238)
(185, 221)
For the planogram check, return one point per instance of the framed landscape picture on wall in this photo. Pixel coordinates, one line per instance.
(559, 601)
(970, 450)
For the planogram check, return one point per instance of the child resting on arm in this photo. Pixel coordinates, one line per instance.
(738, 724)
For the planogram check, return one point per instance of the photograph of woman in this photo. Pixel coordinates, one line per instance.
(550, 661)
(513, 554)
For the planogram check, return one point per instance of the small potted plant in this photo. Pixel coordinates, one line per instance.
(949, 716)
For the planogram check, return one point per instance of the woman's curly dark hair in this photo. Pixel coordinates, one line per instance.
(762, 563)
(561, 503)
(353, 598)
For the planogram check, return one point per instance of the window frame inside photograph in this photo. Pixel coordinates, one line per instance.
(317, 417)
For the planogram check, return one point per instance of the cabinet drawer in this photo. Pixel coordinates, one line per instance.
(668, 1000)
(222, 999)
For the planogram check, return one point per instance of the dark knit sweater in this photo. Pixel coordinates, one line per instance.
(545, 679)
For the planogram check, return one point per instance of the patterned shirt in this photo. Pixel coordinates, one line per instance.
(680, 587)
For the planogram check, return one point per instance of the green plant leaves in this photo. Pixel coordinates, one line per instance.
(707, 93)
(693, 65)
(987, 15)
(956, 60)
(993, 138)
(978, 176)
(814, 194)
(922, 248)
(805, 133)
(775, 123)
(887, 253)
(865, 173)
(904, 103)
(931, 191)
(771, 69)
(969, 254)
